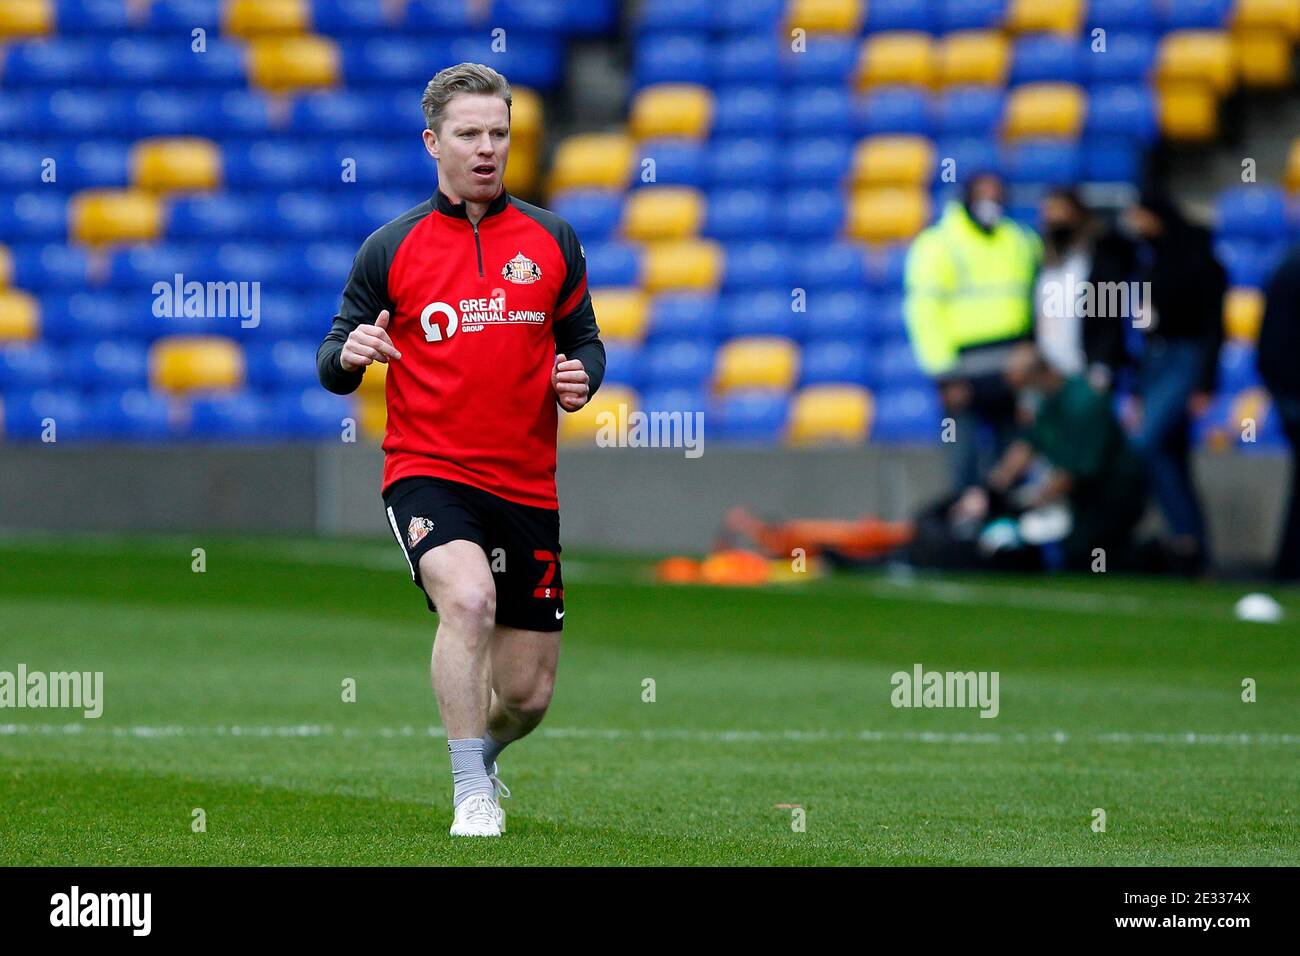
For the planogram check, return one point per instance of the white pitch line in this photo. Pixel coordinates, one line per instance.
(144, 732)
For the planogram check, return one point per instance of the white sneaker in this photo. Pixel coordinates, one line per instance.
(477, 816)
(499, 792)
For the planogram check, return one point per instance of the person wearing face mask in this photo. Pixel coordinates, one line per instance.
(968, 285)
(1181, 326)
(1073, 324)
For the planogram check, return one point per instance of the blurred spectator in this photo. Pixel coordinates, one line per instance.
(1182, 324)
(1077, 333)
(969, 285)
(1277, 353)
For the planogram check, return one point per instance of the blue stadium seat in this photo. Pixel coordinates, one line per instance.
(1254, 211)
(740, 213)
(829, 264)
(319, 266)
(1249, 263)
(893, 110)
(593, 213)
(1123, 15)
(279, 164)
(385, 164)
(54, 62)
(885, 265)
(93, 164)
(674, 400)
(971, 154)
(744, 160)
(290, 363)
(345, 18)
(623, 362)
(749, 416)
(238, 416)
(970, 14)
(183, 15)
(907, 415)
(811, 214)
(1112, 159)
(902, 15)
(392, 62)
(132, 415)
(835, 360)
(766, 312)
(826, 60)
(824, 161)
(557, 16)
(1237, 367)
(527, 60)
(684, 316)
(26, 414)
(428, 16)
(887, 320)
(91, 17)
(746, 59)
(758, 263)
(677, 364)
(1045, 162)
(33, 216)
(822, 109)
(79, 113)
(673, 58)
(344, 112)
(745, 110)
(286, 314)
(22, 163)
(1195, 14)
(307, 215)
(107, 364)
(747, 16)
(676, 163)
(1129, 58)
(613, 263)
(219, 216)
(841, 315)
(311, 413)
(83, 316)
(974, 111)
(1123, 111)
(23, 113)
(665, 15)
(50, 266)
(1047, 58)
(29, 366)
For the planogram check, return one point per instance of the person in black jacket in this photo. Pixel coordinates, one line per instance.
(1181, 318)
(1074, 326)
(1277, 353)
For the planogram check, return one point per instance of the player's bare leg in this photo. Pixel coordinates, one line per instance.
(458, 578)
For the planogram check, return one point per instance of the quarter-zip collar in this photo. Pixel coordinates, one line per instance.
(457, 210)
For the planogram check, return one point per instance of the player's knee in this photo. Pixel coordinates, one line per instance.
(528, 705)
(472, 607)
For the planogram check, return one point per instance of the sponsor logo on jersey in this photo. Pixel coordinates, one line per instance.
(521, 270)
(416, 530)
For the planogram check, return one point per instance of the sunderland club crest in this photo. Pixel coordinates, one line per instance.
(416, 530)
(521, 270)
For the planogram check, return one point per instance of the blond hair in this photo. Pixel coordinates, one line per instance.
(461, 78)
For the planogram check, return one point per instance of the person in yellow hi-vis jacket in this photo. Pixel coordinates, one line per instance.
(969, 291)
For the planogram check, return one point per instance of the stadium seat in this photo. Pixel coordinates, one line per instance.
(740, 213)
(1272, 16)
(291, 64)
(672, 58)
(750, 415)
(889, 110)
(182, 364)
(1263, 58)
(595, 160)
(20, 316)
(1035, 16)
(825, 59)
(623, 312)
(1047, 58)
(757, 263)
(1043, 162)
(888, 214)
(27, 366)
(893, 161)
(623, 362)
(107, 365)
(884, 15)
(134, 415)
(1129, 58)
(1189, 112)
(669, 400)
(107, 216)
(1243, 309)
(678, 364)
(32, 416)
(614, 263)
(671, 109)
(824, 16)
(682, 264)
(765, 312)
(902, 58)
(824, 160)
(281, 365)
(974, 58)
(670, 162)
(838, 316)
(593, 213)
(1188, 57)
(971, 14)
(742, 109)
(1291, 177)
(252, 19)
(831, 265)
(746, 60)
(1122, 111)
(607, 407)
(757, 362)
(909, 415)
(33, 216)
(825, 414)
(662, 212)
(810, 214)
(969, 111)
(658, 15)
(742, 160)
(1111, 15)
(831, 361)
(1195, 14)
(1254, 211)
(684, 316)
(6, 267)
(26, 18)
(1045, 110)
(175, 165)
(1249, 263)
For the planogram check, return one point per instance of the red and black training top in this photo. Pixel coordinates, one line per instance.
(478, 313)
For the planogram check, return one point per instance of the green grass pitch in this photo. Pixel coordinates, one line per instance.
(223, 692)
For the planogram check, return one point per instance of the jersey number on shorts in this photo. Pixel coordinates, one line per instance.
(544, 589)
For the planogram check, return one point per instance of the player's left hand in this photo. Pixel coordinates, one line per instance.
(570, 382)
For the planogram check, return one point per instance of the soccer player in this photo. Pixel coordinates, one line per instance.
(478, 304)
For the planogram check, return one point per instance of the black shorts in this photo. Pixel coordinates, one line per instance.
(522, 544)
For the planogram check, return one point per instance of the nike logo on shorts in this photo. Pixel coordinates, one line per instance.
(560, 614)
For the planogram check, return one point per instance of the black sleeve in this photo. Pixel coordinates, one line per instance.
(1279, 331)
(576, 333)
(1114, 260)
(364, 296)
(1216, 287)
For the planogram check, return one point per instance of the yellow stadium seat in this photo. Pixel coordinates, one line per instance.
(682, 110)
(757, 361)
(26, 18)
(1051, 110)
(1292, 175)
(1274, 16)
(250, 19)
(1264, 58)
(6, 267)
(825, 414)
(824, 16)
(195, 363)
(889, 214)
(286, 64)
(1045, 16)
(107, 216)
(894, 161)
(621, 312)
(525, 118)
(1197, 56)
(1243, 309)
(372, 416)
(1189, 112)
(607, 408)
(372, 383)
(595, 160)
(20, 316)
(176, 164)
(896, 58)
(682, 264)
(663, 212)
(521, 169)
(974, 58)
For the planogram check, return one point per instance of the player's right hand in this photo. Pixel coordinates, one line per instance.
(368, 343)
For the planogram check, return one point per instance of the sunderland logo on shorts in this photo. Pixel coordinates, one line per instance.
(416, 530)
(521, 270)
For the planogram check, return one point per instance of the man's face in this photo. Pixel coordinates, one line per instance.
(471, 147)
(988, 188)
(1057, 213)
